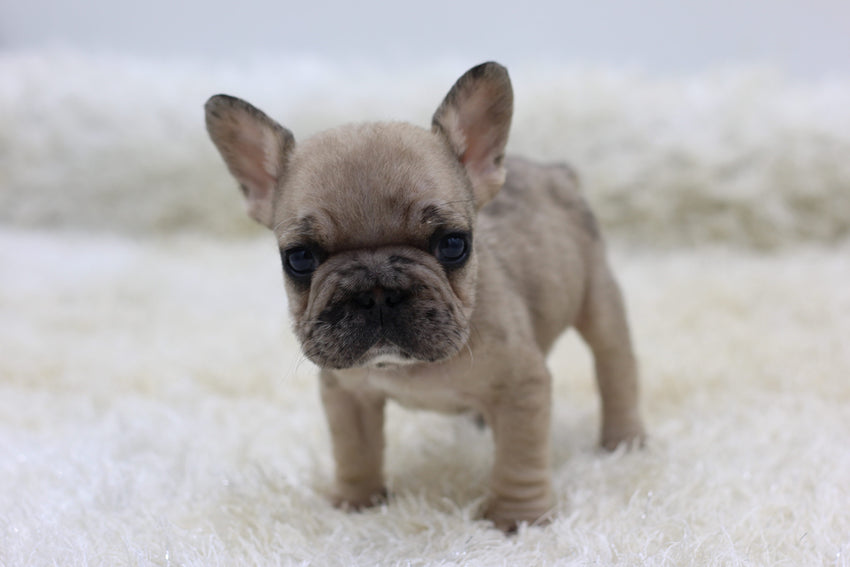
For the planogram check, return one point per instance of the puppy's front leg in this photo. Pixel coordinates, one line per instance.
(356, 423)
(521, 487)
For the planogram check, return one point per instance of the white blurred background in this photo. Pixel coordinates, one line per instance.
(690, 122)
(808, 38)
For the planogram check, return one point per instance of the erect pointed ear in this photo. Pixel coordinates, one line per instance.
(254, 147)
(475, 119)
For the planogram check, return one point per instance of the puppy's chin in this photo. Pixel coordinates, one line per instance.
(387, 359)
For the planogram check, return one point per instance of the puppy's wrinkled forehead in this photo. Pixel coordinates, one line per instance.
(371, 185)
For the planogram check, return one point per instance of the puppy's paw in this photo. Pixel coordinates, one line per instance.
(627, 431)
(507, 515)
(354, 499)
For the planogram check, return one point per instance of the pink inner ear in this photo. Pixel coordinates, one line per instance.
(481, 151)
(483, 143)
(250, 160)
(251, 172)
(481, 157)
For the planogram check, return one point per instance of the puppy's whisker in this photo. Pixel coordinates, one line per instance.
(471, 355)
(288, 221)
(302, 358)
(464, 201)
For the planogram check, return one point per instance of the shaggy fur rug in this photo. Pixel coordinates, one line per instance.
(155, 409)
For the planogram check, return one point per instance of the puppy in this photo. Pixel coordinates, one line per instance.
(425, 267)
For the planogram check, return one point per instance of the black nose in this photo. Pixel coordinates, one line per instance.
(380, 297)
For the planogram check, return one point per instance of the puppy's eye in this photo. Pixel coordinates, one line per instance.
(453, 249)
(300, 262)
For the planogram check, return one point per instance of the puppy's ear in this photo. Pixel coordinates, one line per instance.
(254, 147)
(475, 119)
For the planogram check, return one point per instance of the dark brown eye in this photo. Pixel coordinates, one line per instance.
(453, 249)
(300, 262)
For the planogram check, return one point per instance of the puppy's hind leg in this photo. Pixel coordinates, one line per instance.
(604, 327)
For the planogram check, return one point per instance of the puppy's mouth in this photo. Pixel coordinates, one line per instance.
(386, 357)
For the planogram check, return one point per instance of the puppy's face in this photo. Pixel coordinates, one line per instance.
(375, 225)
(375, 222)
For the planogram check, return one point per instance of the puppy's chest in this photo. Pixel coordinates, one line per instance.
(424, 389)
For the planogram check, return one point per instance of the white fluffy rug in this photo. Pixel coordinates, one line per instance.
(154, 408)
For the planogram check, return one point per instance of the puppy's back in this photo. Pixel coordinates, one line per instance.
(540, 215)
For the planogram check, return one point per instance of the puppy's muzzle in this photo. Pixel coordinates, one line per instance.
(371, 307)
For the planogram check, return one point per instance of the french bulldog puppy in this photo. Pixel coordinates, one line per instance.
(425, 267)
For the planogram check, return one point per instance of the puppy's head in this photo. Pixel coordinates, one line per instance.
(376, 222)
